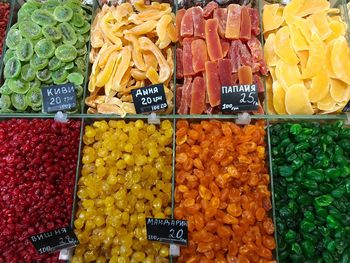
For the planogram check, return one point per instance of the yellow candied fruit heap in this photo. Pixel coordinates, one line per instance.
(126, 177)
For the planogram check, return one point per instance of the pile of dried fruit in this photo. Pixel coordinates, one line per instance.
(46, 46)
(4, 16)
(222, 189)
(132, 48)
(218, 46)
(37, 173)
(126, 177)
(308, 57)
(311, 168)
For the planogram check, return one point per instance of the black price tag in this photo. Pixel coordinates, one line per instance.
(347, 107)
(239, 98)
(149, 99)
(167, 230)
(59, 97)
(54, 240)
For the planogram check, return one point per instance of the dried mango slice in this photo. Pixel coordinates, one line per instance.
(338, 29)
(279, 96)
(310, 7)
(297, 101)
(340, 59)
(283, 46)
(292, 8)
(271, 57)
(303, 25)
(317, 57)
(269, 96)
(288, 74)
(319, 86)
(339, 91)
(299, 42)
(303, 57)
(272, 17)
(164, 69)
(328, 62)
(320, 24)
(327, 103)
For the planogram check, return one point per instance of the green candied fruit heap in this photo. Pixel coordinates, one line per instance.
(311, 172)
(47, 46)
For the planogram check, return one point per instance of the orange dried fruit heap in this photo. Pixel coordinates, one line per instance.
(222, 190)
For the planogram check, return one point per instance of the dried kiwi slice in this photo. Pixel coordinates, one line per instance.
(29, 29)
(63, 13)
(18, 86)
(12, 68)
(50, 5)
(38, 63)
(81, 42)
(52, 33)
(82, 51)
(43, 17)
(59, 76)
(5, 89)
(66, 53)
(80, 62)
(35, 84)
(27, 73)
(76, 78)
(29, 8)
(5, 102)
(25, 50)
(34, 97)
(69, 65)
(13, 38)
(44, 75)
(68, 33)
(78, 20)
(54, 63)
(9, 54)
(79, 90)
(19, 101)
(84, 29)
(45, 48)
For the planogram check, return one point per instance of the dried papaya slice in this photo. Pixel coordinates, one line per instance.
(283, 46)
(297, 101)
(339, 90)
(272, 17)
(319, 86)
(340, 59)
(271, 57)
(279, 96)
(288, 74)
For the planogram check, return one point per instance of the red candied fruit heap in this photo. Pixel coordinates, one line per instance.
(4, 17)
(37, 173)
(218, 47)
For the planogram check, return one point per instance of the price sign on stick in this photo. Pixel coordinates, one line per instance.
(59, 97)
(239, 98)
(57, 239)
(149, 99)
(167, 231)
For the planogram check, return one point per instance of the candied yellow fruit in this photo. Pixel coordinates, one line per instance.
(126, 177)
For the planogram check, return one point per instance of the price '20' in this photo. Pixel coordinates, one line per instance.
(178, 234)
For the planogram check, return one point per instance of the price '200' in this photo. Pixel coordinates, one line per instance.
(178, 235)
